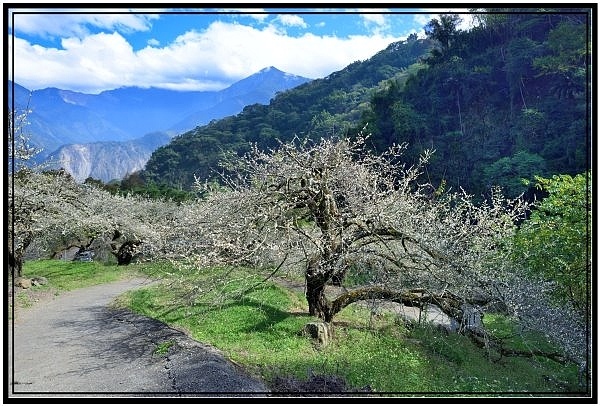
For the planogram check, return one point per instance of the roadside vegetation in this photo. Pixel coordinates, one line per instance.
(70, 275)
(63, 276)
(260, 330)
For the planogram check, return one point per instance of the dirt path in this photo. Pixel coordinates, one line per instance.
(76, 344)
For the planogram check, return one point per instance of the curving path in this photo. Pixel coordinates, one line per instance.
(76, 344)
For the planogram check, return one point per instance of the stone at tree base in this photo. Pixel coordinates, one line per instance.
(319, 331)
(23, 282)
(38, 281)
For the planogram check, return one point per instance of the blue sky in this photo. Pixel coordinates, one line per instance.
(91, 50)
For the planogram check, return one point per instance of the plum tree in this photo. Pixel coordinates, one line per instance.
(332, 208)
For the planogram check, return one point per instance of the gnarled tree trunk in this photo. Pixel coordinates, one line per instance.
(318, 305)
(15, 265)
(16, 254)
(126, 252)
(316, 279)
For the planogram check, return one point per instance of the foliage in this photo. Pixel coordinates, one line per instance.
(516, 83)
(567, 59)
(504, 171)
(135, 184)
(443, 31)
(513, 85)
(555, 242)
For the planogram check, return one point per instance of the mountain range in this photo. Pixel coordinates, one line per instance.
(324, 107)
(111, 134)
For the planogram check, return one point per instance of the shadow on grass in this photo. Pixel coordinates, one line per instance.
(426, 362)
(178, 311)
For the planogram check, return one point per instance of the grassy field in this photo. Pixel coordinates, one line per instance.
(69, 275)
(259, 329)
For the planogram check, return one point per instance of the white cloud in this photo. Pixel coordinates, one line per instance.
(197, 60)
(291, 20)
(92, 64)
(153, 42)
(423, 19)
(66, 25)
(377, 19)
(258, 14)
(377, 23)
(259, 17)
(467, 19)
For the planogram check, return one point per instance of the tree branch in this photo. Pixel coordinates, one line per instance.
(447, 302)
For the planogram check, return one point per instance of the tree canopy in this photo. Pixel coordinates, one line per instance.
(332, 208)
(555, 242)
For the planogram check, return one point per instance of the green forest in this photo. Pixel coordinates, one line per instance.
(499, 104)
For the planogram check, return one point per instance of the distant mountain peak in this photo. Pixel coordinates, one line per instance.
(267, 69)
(271, 70)
(81, 130)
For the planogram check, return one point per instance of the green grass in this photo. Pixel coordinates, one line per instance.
(505, 330)
(260, 331)
(259, 328)
(466, 368)
(69, 275)
(23, 300)
(163, 348)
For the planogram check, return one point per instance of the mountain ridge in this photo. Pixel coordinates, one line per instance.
(107, 160)
(62, 121)
(503, 101)
(322, 106)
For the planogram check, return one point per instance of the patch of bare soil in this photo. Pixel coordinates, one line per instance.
(22, 299)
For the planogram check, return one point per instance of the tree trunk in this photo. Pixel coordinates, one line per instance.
(316, 279)
(16, 254)
(448, 303)
(318, 305)
(126, 252)
(338, 277)
(15, 265)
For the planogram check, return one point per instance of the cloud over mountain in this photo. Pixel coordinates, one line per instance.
(93, 53)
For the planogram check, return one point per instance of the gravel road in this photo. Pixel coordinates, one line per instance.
(77, 345)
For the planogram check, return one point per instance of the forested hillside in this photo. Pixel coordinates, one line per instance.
(505, 100)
